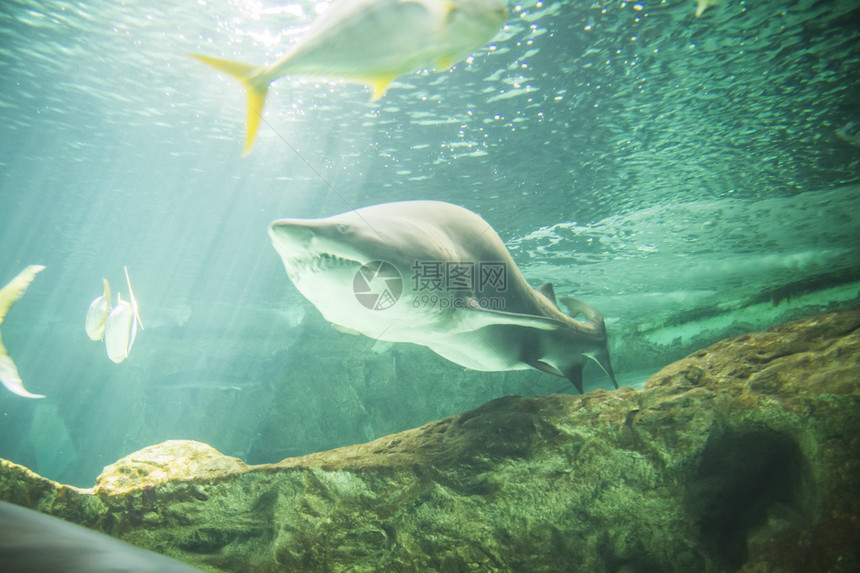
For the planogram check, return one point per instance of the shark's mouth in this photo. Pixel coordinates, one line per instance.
(318, 263)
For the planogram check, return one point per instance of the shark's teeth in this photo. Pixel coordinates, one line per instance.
(319, 263)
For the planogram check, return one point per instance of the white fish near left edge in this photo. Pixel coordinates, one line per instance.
(9, 294)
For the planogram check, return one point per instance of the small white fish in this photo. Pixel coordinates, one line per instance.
(9, 294)
(120, 327)
(97, 314)
(372, 42)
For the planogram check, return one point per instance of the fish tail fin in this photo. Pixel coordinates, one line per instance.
(8, 294)
(106, 293)
(256, 83)
(379, 85)
(10, 378)
(16, 288)
(133, 300)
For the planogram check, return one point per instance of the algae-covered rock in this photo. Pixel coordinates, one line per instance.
(170, 461)
(743, 456)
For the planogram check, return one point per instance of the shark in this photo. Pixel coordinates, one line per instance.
(437, 274)
(14, 290)
(371, 42)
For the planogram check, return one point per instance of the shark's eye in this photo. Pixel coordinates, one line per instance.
(342, 229)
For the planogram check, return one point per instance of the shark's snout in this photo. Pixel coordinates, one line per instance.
(315, 247)
(291, 235)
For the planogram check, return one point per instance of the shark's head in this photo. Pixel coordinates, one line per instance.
(322, 258)
(319, 247)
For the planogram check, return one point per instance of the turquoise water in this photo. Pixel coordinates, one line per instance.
(693, 178)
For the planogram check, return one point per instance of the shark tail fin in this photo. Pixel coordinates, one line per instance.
(256, 83)
(592, 315)
(8, 294)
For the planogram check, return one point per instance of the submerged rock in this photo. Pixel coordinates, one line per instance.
(743, 456)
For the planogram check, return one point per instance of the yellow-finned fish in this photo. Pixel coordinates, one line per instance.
(9, 294)
(372, 42)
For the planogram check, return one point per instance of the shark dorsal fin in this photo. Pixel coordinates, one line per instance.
(549, 292)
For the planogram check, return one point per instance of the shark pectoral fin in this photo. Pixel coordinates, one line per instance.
(544, 367)
(9, 375)
(379, 85)
(256, 85)
(574, 374)
(345, 330)
(481, 317)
